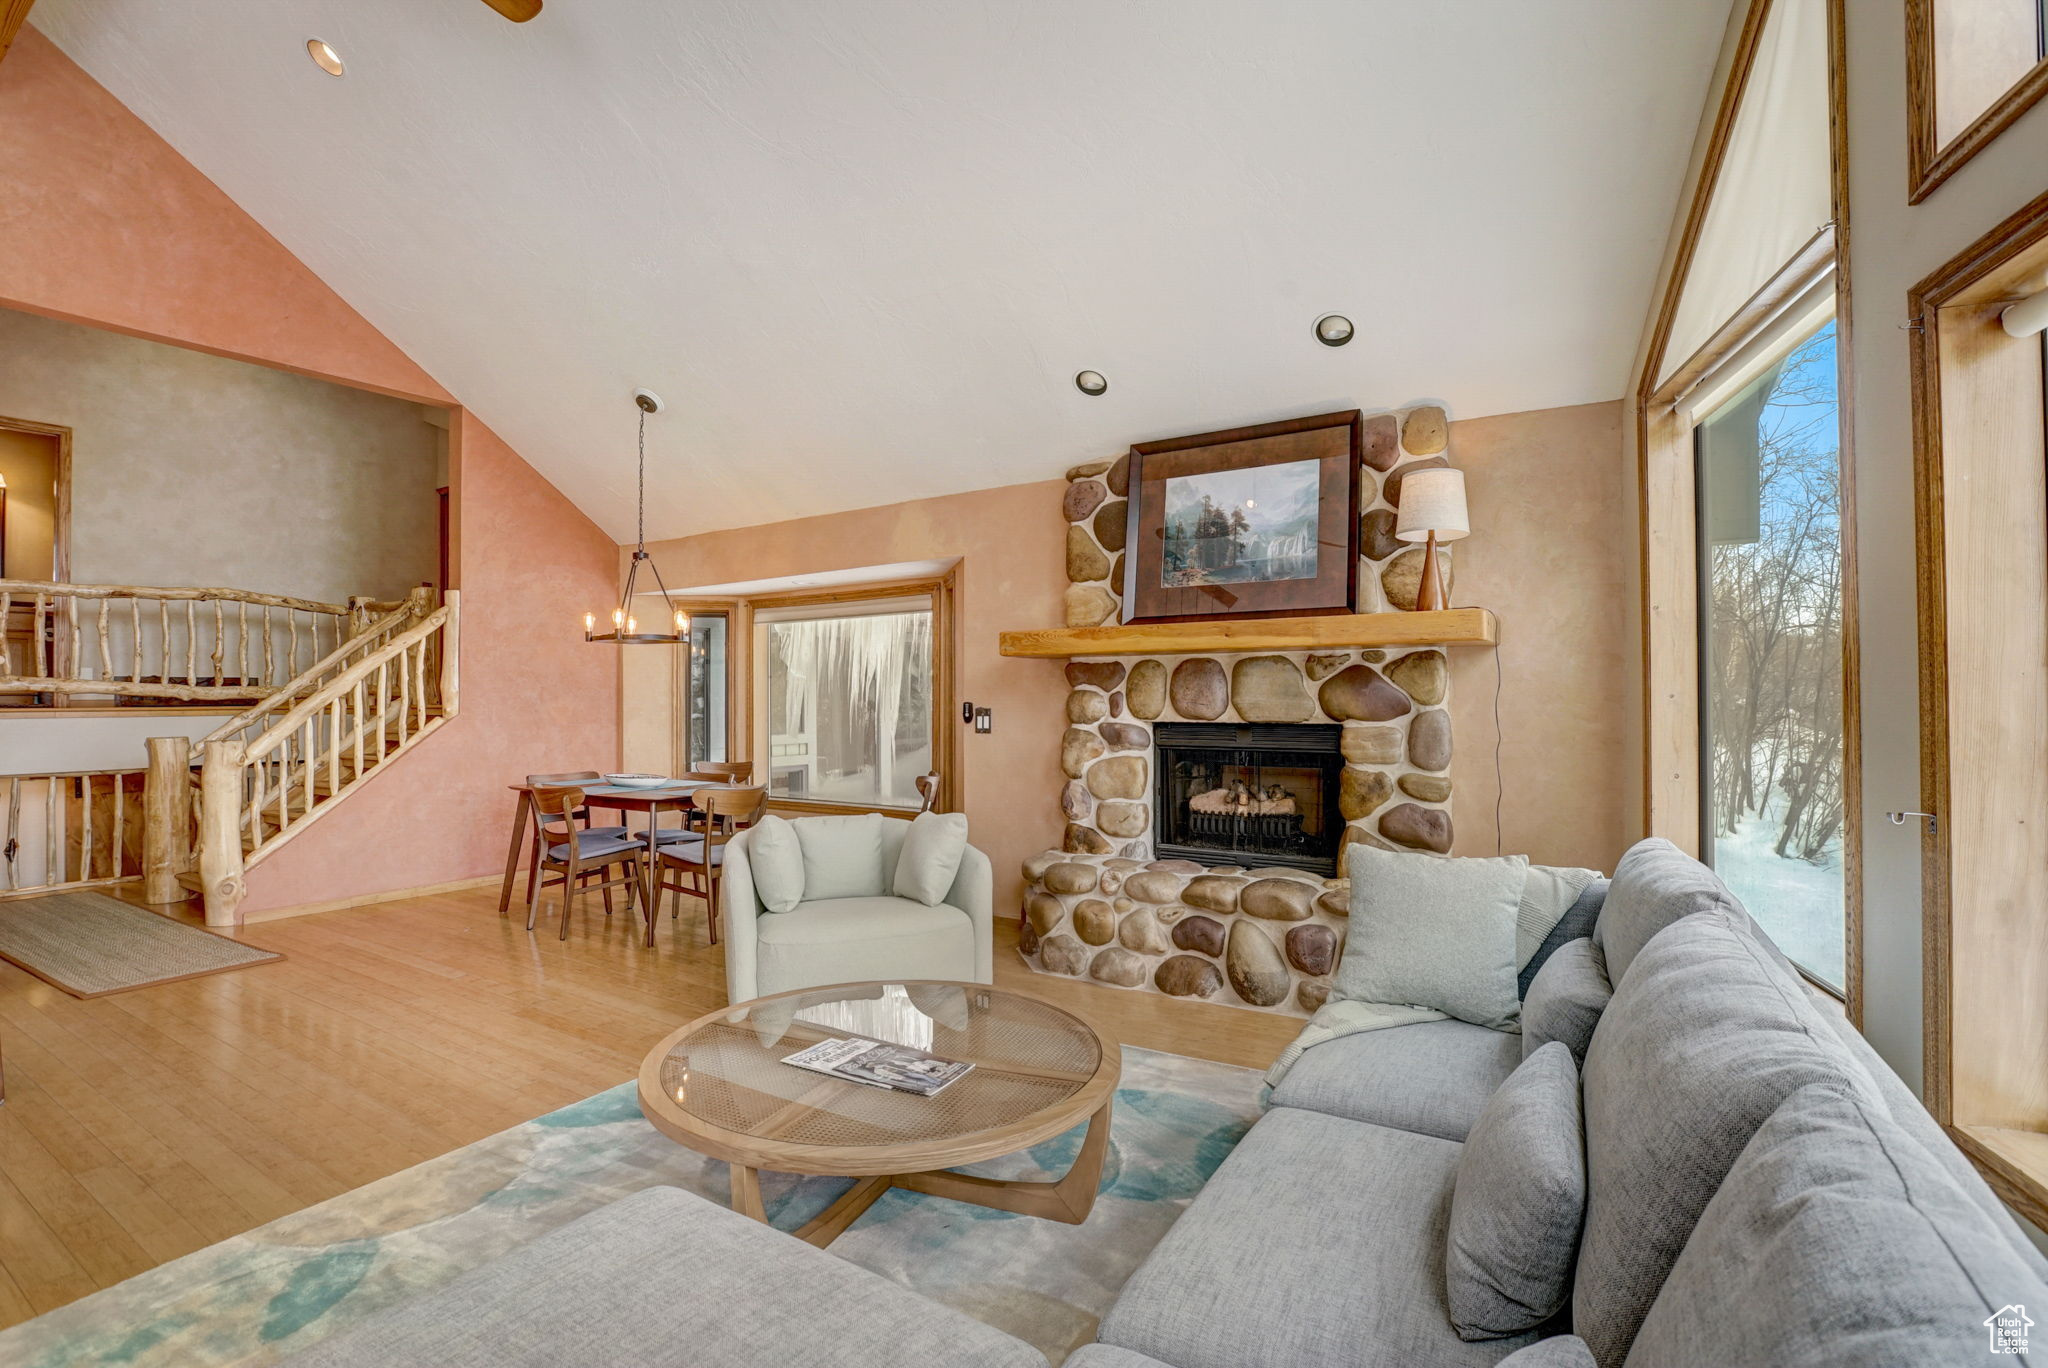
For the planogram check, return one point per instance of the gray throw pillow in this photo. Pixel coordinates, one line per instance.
(842, 856)
(1518, 1202)
(1566, 999)
(930, 860)
(1559, 1351)
(776, 859)
(1837, 1240)
(1549, 893)
(1436, 933)
(1578, 920)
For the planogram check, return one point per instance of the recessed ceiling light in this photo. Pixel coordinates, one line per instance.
(1091, 383)
(1334, 330)
(324, 57)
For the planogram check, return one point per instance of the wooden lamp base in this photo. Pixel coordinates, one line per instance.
(1429, 594)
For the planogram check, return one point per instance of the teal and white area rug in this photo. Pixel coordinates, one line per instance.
(263, 1296)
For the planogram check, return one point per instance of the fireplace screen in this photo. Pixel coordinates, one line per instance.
(1262, 795)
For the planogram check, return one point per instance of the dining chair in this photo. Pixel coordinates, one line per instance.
(729, 772)
(716, 815)
(574, 854)
(579, 777)
(582, 815)
(928, 789)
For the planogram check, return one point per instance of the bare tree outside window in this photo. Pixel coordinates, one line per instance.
(1771, 651)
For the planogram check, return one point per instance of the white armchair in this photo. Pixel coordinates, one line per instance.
(847, 940)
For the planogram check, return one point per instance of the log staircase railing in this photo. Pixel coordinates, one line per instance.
(173, 644)
(273, 769)
(71, 829)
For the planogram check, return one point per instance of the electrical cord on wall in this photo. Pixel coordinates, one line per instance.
(1499, 787)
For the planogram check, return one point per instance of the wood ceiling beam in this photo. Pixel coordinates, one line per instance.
(13, 14)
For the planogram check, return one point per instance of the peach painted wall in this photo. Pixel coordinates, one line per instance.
(536, 697)
(104, 223)
(1546, 556)
(1011, 545)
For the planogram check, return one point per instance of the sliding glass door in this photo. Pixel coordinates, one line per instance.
(1770, 581)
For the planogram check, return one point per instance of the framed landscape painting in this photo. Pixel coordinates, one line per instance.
(1253, 522)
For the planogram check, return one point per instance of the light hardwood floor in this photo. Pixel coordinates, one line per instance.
(146, 1125)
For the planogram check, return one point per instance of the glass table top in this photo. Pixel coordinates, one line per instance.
(728, 1071)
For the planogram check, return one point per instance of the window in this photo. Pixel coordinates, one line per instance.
(703, 691)
(849, 701)
(1974, 66)
(1768, 464)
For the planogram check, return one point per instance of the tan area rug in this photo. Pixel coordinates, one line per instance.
(90, 945)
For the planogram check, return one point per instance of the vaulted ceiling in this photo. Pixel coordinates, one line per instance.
(862, 247)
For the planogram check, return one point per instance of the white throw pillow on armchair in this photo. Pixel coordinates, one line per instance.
(776, 858)
(932, 851)
(842, 856)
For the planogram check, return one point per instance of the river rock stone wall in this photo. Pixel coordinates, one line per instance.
(1100, 907)
(1396, 786)
(1097, 509)
(1261, 938)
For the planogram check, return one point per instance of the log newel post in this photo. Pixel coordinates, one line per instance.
(166, 817)
(220, 831)
(451, 665)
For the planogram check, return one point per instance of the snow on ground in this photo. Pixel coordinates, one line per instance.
(1798, 903)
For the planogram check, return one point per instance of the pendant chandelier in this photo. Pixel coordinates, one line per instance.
(625, 622)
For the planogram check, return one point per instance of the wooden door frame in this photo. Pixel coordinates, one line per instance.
(60, 524)
(679, 686)
(1969, 289)
(943, 590)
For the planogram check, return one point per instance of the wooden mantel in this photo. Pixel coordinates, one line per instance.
(1452, 627)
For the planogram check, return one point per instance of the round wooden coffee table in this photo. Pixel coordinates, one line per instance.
(720, 1087)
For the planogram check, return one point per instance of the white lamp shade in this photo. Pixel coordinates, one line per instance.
(1433, 501)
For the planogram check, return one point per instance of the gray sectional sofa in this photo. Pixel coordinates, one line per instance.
(1760, 1189)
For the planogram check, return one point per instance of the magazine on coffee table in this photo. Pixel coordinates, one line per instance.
(897, 1067)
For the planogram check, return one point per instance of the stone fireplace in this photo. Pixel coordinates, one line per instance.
(1262, 795)
(1209, 798)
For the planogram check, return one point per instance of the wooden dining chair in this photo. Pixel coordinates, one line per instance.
(582, 816)
(575, 855)
(928, 789)
(716, 815)
(579, 777)
(709, 772)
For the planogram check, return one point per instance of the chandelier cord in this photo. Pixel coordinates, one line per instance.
(641, 510)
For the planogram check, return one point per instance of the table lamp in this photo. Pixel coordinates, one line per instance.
(1432, 509)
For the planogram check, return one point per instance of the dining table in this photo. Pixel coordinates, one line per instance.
(670, 797)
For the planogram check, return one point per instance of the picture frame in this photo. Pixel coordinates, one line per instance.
(1248, 522)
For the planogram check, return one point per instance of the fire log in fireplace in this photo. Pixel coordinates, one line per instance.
(1252, 794)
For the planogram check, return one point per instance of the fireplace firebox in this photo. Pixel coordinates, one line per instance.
(1258, 795)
